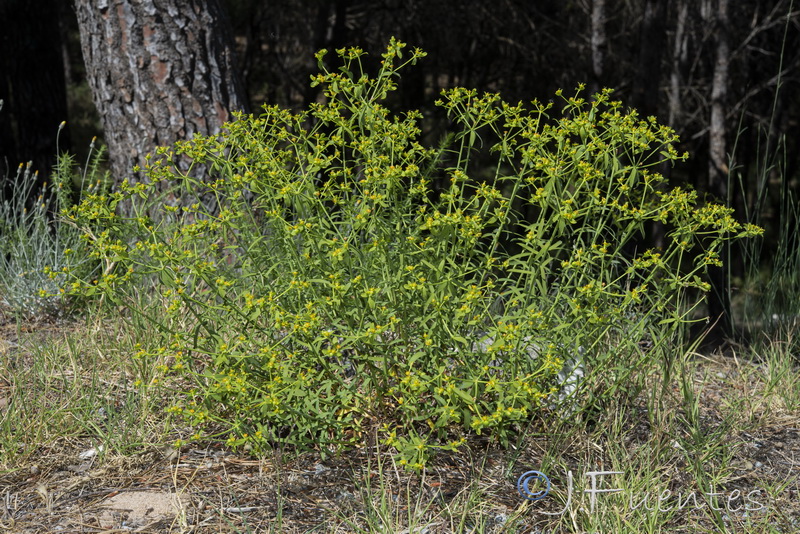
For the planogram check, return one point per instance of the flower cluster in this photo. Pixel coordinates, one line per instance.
(329, 272)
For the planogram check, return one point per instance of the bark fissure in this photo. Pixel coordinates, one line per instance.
(159, 72)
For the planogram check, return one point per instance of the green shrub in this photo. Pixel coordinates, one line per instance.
(329, 277)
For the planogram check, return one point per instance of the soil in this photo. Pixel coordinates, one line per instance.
(71, 486)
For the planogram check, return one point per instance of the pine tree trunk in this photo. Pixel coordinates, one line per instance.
(160, 71)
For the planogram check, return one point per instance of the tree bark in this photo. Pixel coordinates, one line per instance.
(679, 57)
(719, 296)
(598, 43)
(160, 71)
(718, 159)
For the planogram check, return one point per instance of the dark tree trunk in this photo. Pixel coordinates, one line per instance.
(679, 58)
(718, 157)
(719, 297)
(598, 44)
(160, 71)
(647, 80)
(651, 43)
(8, 145)
(32, 85)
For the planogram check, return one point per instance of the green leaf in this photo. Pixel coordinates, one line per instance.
(466, 397)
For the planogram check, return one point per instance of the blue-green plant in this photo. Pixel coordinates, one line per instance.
(37, 249)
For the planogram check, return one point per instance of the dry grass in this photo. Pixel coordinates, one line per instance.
(83, 450)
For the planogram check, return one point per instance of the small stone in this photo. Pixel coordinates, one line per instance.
(346, 496)
(319, 469)
(171, 453)
(90, 453)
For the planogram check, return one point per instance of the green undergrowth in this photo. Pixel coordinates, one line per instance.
(322, 279)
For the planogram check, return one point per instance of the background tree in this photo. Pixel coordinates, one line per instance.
(717, 17)
(722, 78)
(160, 71)
(32, 85)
